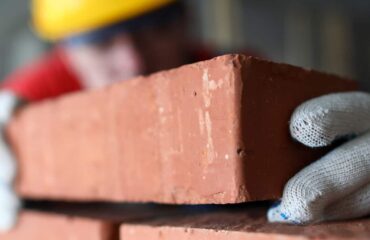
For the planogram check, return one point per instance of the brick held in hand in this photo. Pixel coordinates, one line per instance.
(209, 132)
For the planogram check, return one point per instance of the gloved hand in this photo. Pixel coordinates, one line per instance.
(9, 202)
(337, 186)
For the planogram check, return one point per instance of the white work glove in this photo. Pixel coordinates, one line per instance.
(9, 202)
(337, 186)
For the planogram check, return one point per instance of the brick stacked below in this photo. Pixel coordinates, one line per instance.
(45, 226)
(209, 132)
(241, 224)
(82, 221)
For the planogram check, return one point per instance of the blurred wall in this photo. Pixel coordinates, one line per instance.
(18, 44)
(333, 36)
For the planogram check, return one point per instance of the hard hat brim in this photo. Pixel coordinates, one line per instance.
(153, 18)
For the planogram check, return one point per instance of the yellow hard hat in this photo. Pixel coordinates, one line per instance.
(55, 20)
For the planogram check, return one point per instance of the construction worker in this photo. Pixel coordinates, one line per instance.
(96, 43)
(100, 42)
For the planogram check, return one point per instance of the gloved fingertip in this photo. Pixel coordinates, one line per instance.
(8, 220)
(275, 214)
(10, 206)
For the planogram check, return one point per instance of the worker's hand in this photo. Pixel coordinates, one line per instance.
(9, 202)
(337, 186)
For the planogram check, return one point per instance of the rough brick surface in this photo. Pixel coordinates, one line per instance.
(243, 224)
(44, 226)
(84, 221)
(210, 132)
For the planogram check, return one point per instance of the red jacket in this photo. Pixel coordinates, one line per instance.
(47, 78)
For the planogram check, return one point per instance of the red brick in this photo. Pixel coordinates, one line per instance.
(83, 221)
(244, 224)
(46, 226)
(210, 132)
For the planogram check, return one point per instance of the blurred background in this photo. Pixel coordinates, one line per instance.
(332, 35)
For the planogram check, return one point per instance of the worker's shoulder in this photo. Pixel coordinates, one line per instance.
(47, 63)
(48, 76)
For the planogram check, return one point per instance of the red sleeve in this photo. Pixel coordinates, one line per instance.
(47, 78)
